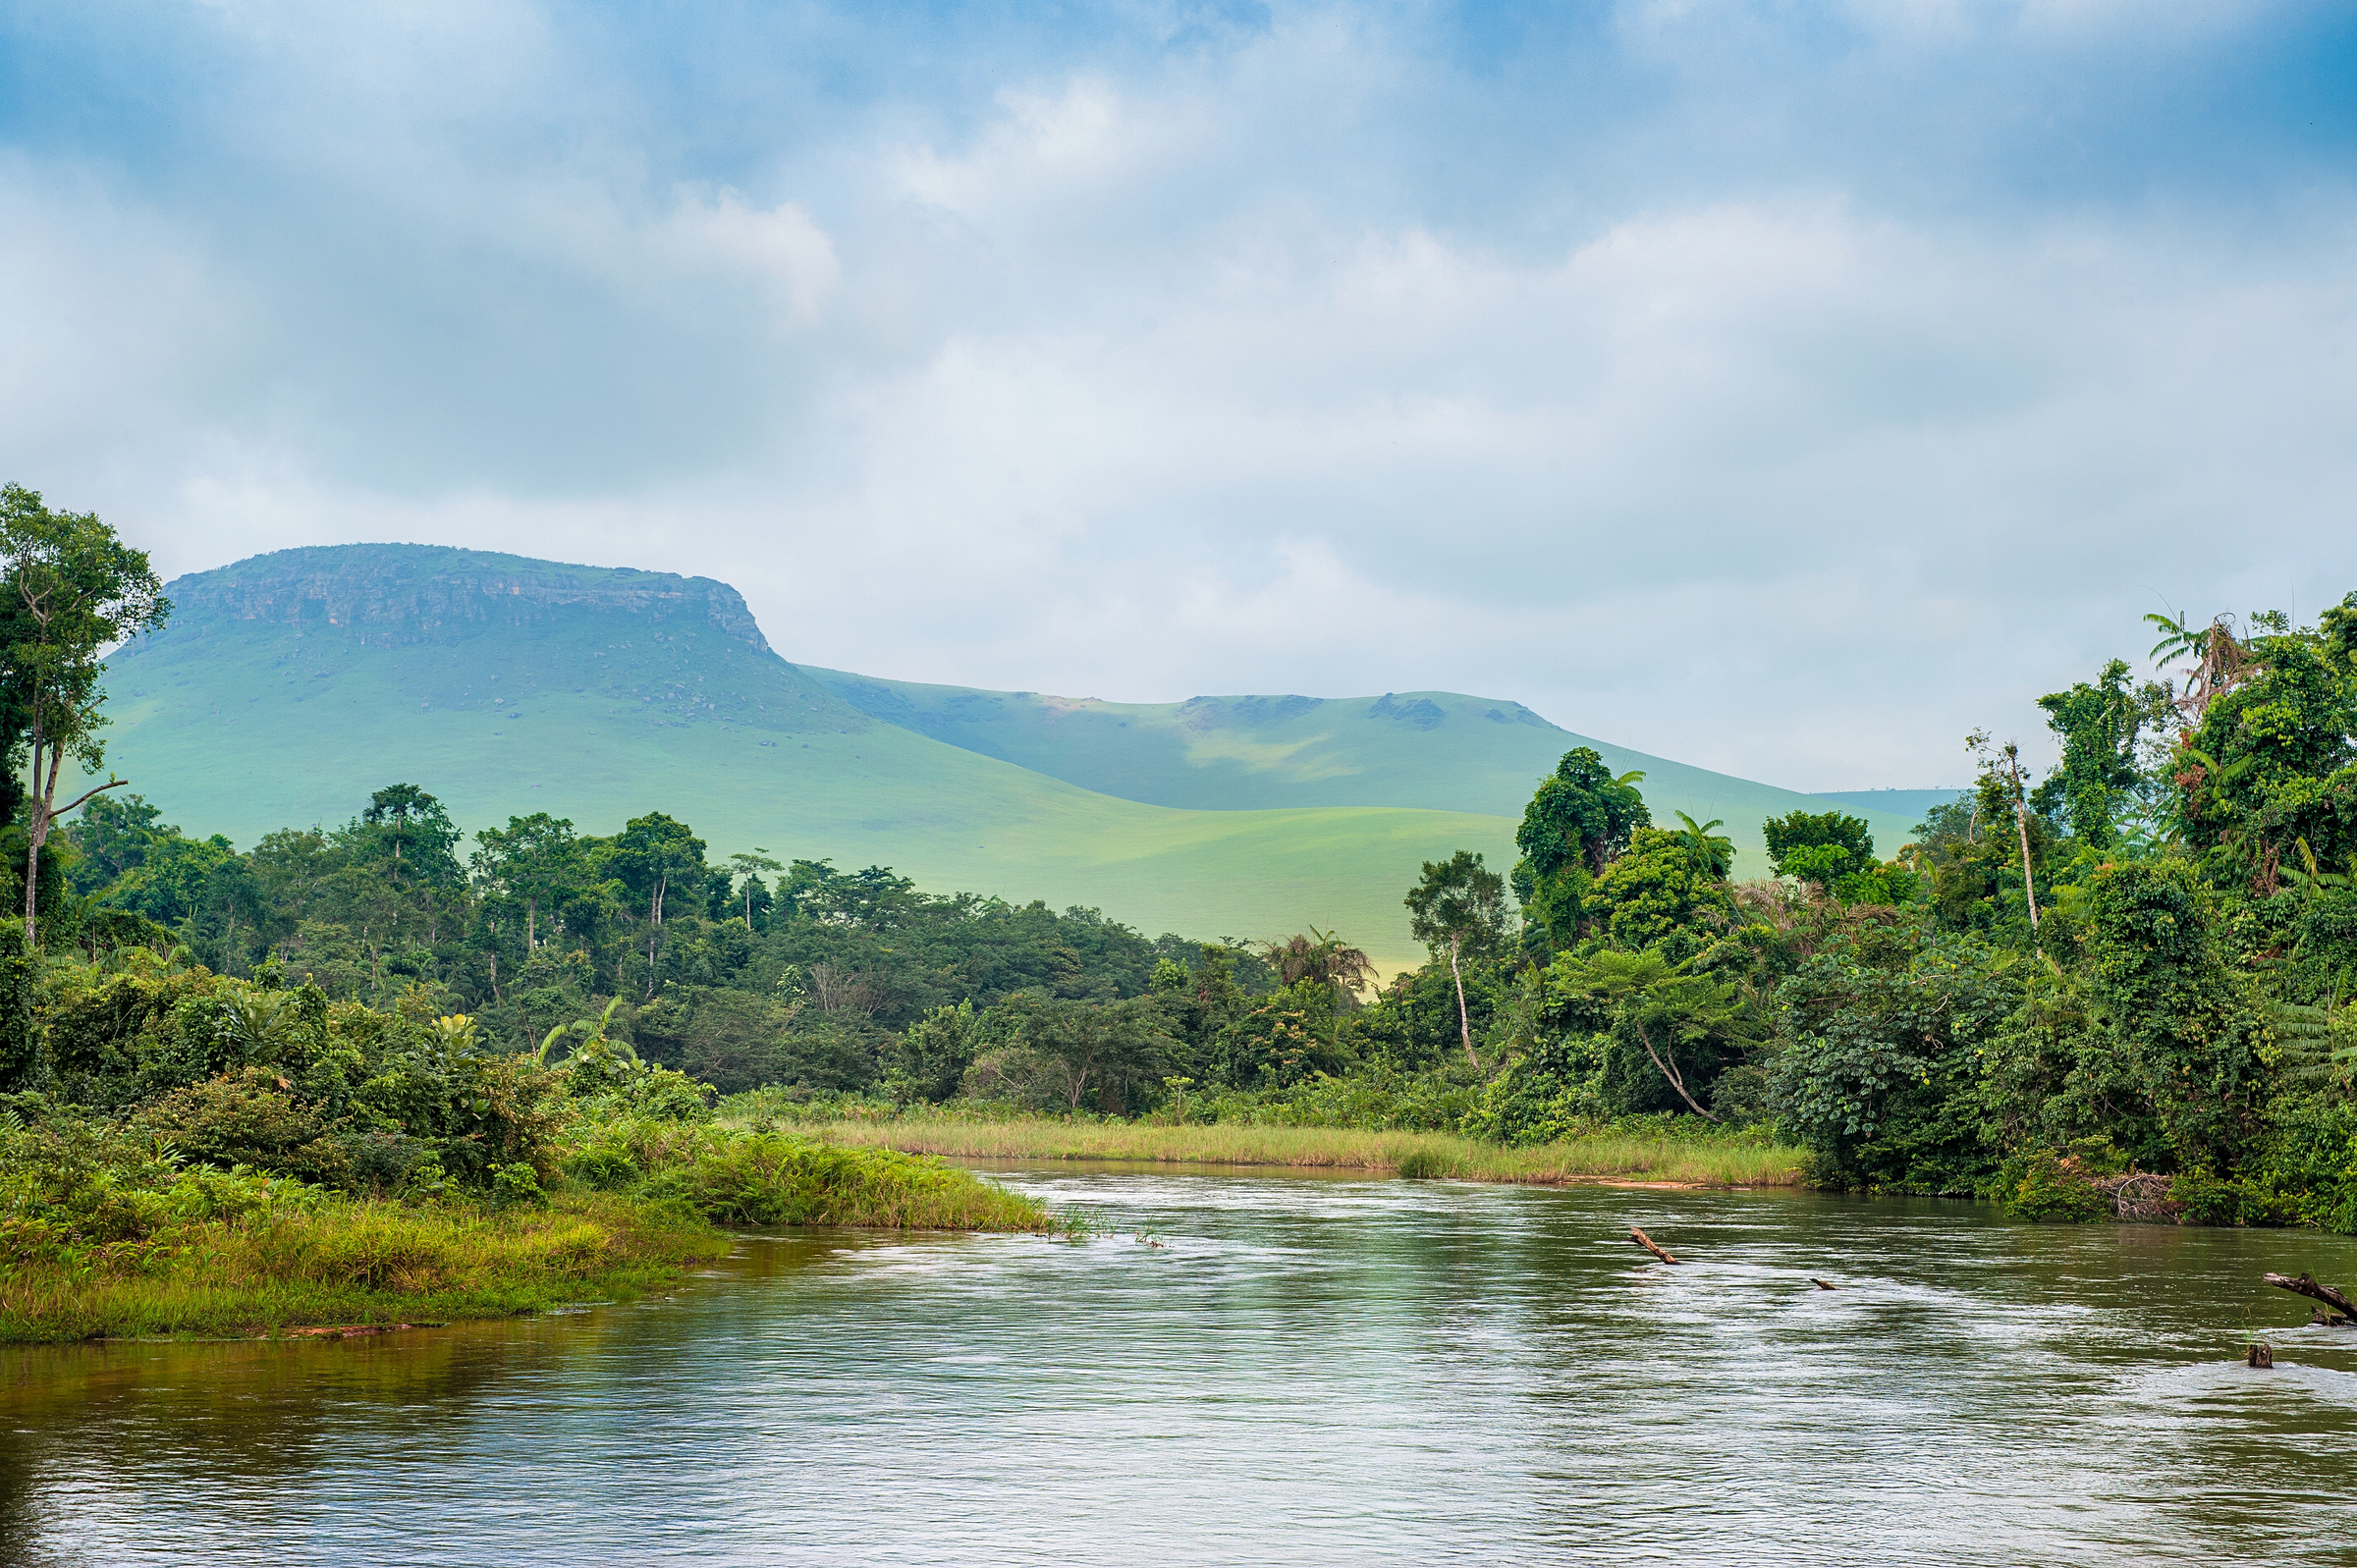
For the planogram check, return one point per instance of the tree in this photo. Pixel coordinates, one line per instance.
(2099, 724)
(1321, 959)
(1459, 904)
(1657, 895)
(1582, 815)
(1578, 823)
(1820, 846)
(418, 831)
(748, 867)
(650, 855)
(1651, 994)
(2002, 789)
(1714, 854)
(2221, 661)
(80, 590)
(533, 858)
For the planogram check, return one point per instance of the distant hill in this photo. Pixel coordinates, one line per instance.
(1433, 750)
(290, 685)
(1906, 805)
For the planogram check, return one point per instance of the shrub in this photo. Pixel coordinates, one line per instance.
(516, 1186)
(249, 1119)
(2041, 1185)
(603, 1166)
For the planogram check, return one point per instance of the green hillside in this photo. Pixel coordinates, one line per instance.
(290, 685)
(1909, 804)
(1435, 750)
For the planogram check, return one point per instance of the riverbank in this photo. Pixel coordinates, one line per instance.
(1601, 1158)
(347, 1263)
(212, 1256)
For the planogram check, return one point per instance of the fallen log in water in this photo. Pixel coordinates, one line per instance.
(2306, 1286)
(1647, 1242)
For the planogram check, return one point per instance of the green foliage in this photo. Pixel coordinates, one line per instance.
(1883, 1034)
(516, 1186)
(2100, 724)
(1580, 816)
(1661, 895)
(1820, 846)
(2041, 1185)
(1578, 822)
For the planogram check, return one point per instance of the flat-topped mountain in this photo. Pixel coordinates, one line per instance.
(290, 685)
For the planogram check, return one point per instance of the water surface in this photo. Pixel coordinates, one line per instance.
(1269, 1369)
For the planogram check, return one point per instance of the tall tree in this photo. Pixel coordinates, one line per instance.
(1459, 905)
(533, 860)
(1578, 823)
(651, 855)
(419, 832)
(750, 867)
(78, 591)
(1580, 815)
(2099, 723)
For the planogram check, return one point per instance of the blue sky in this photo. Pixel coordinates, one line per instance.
(1782, 388)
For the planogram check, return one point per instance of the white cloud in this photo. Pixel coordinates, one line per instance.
(1146, 383)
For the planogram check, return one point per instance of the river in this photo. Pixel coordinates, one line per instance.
(1259, 1368)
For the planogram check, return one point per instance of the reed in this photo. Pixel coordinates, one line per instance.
(1602, 1157)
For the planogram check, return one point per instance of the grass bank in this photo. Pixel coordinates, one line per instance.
(95, 1246)
(340, 1263)
(1602, 1157)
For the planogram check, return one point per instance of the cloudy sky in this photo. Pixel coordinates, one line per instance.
(1782, 388)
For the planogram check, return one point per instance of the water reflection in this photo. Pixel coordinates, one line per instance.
(1309, 1371)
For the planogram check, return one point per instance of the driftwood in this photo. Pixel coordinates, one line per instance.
(2306, 1286)
(2141, 1195)
(1647, 1242)
(1819, 1283)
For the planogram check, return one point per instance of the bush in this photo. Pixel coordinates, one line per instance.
(2041, 1185)
(603, 1166)
(516, 1186)
(249, 1119)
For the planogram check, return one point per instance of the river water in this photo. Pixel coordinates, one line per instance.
(1257, 1368)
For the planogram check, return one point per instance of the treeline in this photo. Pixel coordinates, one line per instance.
(747, 973)
(2122, 986)
(2137, 966)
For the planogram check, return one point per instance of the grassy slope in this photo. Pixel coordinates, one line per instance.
(601, 713)
(1436, 750)
(1606, 1156)
(1909, 804)
(290, 685)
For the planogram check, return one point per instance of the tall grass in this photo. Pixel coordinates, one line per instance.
(1734, 1161)
(210, 1254)
(765, 1179)
(359, 1263)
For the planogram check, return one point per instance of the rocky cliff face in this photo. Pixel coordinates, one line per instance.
(432, 593)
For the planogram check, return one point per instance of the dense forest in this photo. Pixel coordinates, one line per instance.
(2118, 987)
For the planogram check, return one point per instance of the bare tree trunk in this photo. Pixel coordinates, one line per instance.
(40, 814)
(1465, 1020)
(1669, 1071)
(2021, 820)
(531, 939)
